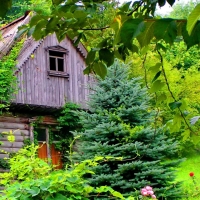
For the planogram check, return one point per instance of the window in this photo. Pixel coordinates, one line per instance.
(57, 61)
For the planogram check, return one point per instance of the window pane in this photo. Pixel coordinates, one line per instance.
(56, 53)
(60, 65)
(52, 63)
(41, 134)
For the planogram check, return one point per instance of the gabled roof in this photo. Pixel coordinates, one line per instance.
(8, 34)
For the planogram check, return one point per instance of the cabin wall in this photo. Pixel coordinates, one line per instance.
(20, 128)
(36, 87)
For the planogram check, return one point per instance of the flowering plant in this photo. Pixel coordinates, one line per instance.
(148, 192)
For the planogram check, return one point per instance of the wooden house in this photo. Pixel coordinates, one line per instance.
(49, 74)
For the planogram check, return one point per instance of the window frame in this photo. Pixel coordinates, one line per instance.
(57, 73)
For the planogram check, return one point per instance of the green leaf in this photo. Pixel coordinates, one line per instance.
(175, 105)
(193, 18)
(186, 135)
(45, 186)
(90, 57)
(106, 56)
(131, 29)
(5, 6)
(157, 85)
(87, 70)
(165, 29)
(100, 69)
(39, 30)
(34, 20)
(148, 33)
(117, 194)
(155, 68)
(78, 39)
(34, 191)
(192, 39)
(156, 76)
(60, 197)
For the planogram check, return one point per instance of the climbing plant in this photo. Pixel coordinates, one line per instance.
(7, 80)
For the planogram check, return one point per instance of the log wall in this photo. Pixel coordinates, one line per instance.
(19, 127)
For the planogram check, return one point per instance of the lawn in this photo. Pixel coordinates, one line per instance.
(191, 185)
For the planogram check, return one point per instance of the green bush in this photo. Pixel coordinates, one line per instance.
(31, 178)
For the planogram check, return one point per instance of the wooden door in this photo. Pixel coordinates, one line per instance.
(48, 152)
(56, 158)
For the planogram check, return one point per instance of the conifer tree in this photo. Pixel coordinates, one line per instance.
(120, 123)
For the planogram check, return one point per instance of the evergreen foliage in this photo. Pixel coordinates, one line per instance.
(121, 124)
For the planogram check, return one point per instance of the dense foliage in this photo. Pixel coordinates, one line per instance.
(32, 178)
(120, 123)
(7, 80)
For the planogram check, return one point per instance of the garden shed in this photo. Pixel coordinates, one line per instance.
(49, 74)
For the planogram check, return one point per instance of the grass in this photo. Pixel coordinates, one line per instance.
(190, 185)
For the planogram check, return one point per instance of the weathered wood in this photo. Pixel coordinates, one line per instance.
(10, 150)
(37, 88)
(17, 138)
(16, 132)
(13, 119)
(14, 126)
(3, 155)
(16, 144)
(31, 133)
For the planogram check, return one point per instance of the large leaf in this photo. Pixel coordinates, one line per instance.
(193, 18)
(157, 85)
(90, 57)
(106, 56)
(146, 36)
(5, 6)
(34, 191)
(100, 69)
(39, 30)
(165, 29)
(192, 39)
(131, 29)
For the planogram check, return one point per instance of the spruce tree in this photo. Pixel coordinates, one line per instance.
(120, 123)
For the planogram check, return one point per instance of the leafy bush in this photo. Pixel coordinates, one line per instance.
(25, 165)
(31, 178)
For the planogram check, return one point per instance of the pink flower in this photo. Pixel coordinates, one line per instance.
(148, 188)
(150, 192)
(153, 196)
(144, 193)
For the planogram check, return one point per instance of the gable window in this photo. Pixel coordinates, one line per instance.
(57, 61)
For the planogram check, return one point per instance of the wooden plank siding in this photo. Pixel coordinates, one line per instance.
(38, 88)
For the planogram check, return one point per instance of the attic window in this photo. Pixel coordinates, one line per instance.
(56, 61)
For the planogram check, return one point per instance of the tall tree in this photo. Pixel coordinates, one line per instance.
(120, 124)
